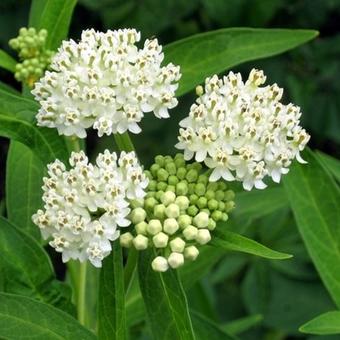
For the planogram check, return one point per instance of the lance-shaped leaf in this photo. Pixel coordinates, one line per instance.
(7, 62)
(209, 53)
(314, 198)
(22, 318)
(165, 301)
(324, 324)
(331, 163)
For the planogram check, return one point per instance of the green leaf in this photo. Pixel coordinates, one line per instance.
(314, 199)
(24, 173)
(331, 163)
(26, 268)
(53, 15)
(232, 241)
(7, 62)
(209, 53)
(327, 323)
(165, 301)
(111, 302)
(24, 318)
(241, 325)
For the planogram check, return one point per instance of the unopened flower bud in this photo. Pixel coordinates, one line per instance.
(210, 194)
(168, 197)
(202, 202)
(203, 236)
(190, 233)
(160, 240)
(191, 253)
(162, 186)
(138, 215)
(192, 210)
(150, 203)
(160, 264)
(181, 188)
(141, 228)
(172, 210)
(171, 188)
(212, 204)
(176, 260)
(159, 211)
(138, 203)
(211, 224)
(229, 206)
(200, 189)
(159, 159)
(181, 173)
(184, 221)
(126, 240)
(154, 227)
(219, 195)
(162, 175)
(140, 242)
(154, 169)
(177, 245)
(171, 168)
(192, 175)
(229, 195)
(225, 217)
(170, 226)
(173, 180)
(183, 202)
(216, 215)
(201, 220)
(199, 90)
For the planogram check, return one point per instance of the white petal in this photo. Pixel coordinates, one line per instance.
(215, 175)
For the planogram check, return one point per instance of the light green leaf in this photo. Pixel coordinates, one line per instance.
(165, 301)
(111, 303)
(209, 53)
(26, 268)
(331, 163)
(25, 318)
(241, 325)
(314, 199)
(7, 62)
(53, 15)
(324, 324)
(24, 173)
(232, 241)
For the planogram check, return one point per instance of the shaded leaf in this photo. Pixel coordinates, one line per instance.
(331, 163)
(327, 323)
(7, 62)
(241, 325)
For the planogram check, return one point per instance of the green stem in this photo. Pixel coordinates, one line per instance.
(73, 143)
(129, 269)
(81, 303)
(124, 142)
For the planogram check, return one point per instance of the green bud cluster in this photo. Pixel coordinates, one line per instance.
(179, 212)
(35, 58)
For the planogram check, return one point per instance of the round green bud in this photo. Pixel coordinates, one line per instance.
(213, 186)
(193, 199)
(177, 245)
(222, 185)
(126, 240)
(23, 31)
(150, 203)
(162, 186)
(184, 221)
(219, 195)
(179, 156)
(154, 227)
(172, 210)
(191, 188)
(192, 210)
(200, 189)
(160, 264)
(171, 168)
(148, 174)
(202, 202)
(141, 228)
(203, 236)
(140, 242)
(216, 215)
(159, 194)
(31, 31)
(171, 188)
(191, 253)
(168, 197)
(159, 211)
(138, 215)
(201, 220)
(181, 173)
(173, 180)
(162, 175)
(212, 204)
(150, 194)
(229, 206)
(180, 162)
(203, 179)
(225, 217)
(181, 188)
(192, 175)
(154, 169)
(160, 240)
(170, 226)
(137, 203)
(190, 233)
(175, 260)
(168, 159)
(211, 224)
(152, 185)
(210, 194)
(160, 160)
(221, 206)
(183, 202)
(229, 195)
(197, 166)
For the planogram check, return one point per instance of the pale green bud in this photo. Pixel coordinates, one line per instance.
(140, 242)
(200, 189)
(202, 202)
(162, 175)
(173, 180)
(203, 236)
(137, 203)
(180, 163)
(159, 211)
(225, 217)
(184, 221)
(162, 186)
(177, 245)
(221, 206)
(154, 169)
(193, 199)
(191, 188)
(152, 185)
(181, 173)
(138, 215)
(211, 224)
(229, 195)
(216, 215)
(160, 160)
(212, 204)
(199, 90)
(170, 226)
(229, 206)
(168, 198)
(181, 188)
(190, 232)
(160, 240)
(201, 220)
(191, 253)
(213, 186)
(171, 188)
(159, 194)
(192, 175)
(126, 240)
(154, 227)
(150, 203)
(160, 264)
(219, 195)
(176, 260)
(141, 228)
(171, 168)
(192, 210)
(183, 202)
(203, 179)
(172, 210)
(210, 194)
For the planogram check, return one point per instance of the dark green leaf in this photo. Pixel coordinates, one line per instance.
(26, 268)
(111, 303)
(7, 62)
(241, 325)
(331, 163)
(205, 54)
(165, 301)
(24, 173)
(24, 318)
(231, 241)
(314, 198)
(327, 323)
(53, 15)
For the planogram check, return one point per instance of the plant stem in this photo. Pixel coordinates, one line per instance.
(129, 269)
(81, 304)
(124, 142)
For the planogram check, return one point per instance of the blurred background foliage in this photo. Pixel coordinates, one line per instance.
(268, 299)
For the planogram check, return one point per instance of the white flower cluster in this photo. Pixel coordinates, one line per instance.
(242, 131)
(85, 205)
(106, 82)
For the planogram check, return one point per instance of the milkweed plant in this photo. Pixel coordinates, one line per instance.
(108, 215)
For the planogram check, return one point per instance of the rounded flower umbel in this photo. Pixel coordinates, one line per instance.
(242, 131)
(106, 82)
(179, 212)
(85, 206)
